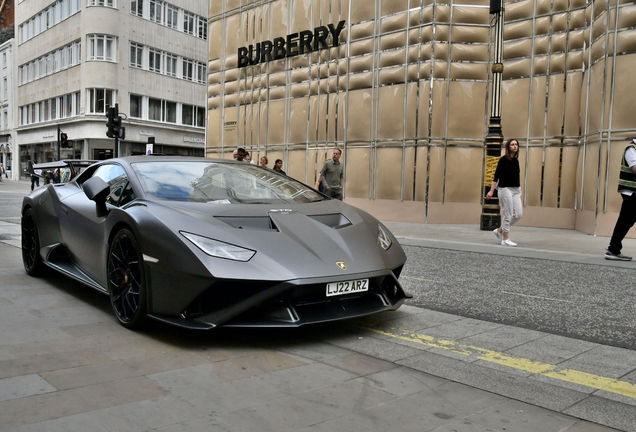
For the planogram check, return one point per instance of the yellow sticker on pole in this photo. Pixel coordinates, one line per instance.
(491, 166)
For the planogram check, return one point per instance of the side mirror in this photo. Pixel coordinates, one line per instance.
(96, 189)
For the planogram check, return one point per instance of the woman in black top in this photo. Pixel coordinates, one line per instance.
(506, 180)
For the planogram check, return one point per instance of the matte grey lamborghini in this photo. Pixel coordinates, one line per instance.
(201, 243)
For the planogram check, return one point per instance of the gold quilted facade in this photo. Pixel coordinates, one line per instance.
(406, 93)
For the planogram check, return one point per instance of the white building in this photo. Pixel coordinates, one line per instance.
(7, 107)
(75, 59)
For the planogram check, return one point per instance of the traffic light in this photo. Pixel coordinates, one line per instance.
(110, 115)
(64, 140)
(116, 125)
(113, 124)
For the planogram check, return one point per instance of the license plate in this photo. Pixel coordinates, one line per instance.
(347, 287)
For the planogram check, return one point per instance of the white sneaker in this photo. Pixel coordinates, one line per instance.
(508, 243)
(498, 234)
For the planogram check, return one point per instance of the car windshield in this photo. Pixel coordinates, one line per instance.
(223, 183)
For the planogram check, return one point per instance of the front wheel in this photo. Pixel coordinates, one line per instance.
(31, 258)
(126, 280)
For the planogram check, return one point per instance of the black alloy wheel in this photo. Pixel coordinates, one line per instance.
(126, 280)
(31, 258)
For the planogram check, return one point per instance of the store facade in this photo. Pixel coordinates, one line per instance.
(403, 88)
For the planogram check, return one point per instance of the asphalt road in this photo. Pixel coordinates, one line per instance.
(588, 302)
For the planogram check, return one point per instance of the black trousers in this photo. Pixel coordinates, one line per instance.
(626, 219)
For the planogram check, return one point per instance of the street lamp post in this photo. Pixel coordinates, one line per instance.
(490, 211)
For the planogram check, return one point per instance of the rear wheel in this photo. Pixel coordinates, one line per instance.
(126, 280)
(31, 258)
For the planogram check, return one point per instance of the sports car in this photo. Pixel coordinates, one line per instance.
(201, 243)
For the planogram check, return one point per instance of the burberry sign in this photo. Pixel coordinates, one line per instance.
(294, 44)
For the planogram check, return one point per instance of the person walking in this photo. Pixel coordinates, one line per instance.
(506, 180)
(627, 215)
(331, 176)
(264, 161)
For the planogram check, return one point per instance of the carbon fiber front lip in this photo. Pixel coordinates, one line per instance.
(277, 307)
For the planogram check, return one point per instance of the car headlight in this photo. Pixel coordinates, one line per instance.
(219, 249)
(384, 239)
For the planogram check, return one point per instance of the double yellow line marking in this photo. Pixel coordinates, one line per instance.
(531, 366)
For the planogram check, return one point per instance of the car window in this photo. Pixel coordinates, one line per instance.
(120, 188)
(217, 182)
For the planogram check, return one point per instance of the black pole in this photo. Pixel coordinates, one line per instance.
(490, 210)
(58, 143)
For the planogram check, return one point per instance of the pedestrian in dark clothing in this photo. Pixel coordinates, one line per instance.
(627, 215)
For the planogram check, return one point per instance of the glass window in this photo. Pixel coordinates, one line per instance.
(187, 115)
(171, 65)
(172, 16)
(154, 109)
(201, 73)
(99, 100)
(154, 60)
(120, 190)
(156, 9)
(135, 106)
(136, 52)
(188, 23)
(170, 112)
(101, 47)
(188, 70)
(202, 28)
(200, 116)
(137, 7)
(222, 182)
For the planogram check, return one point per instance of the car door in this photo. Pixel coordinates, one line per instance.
(84, 231)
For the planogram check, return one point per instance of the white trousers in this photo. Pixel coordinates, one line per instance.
(510, 200)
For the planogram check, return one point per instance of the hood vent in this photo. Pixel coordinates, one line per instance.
(265, 223)
(260, 223)
(335, 221)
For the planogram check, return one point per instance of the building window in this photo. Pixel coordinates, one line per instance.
(168, 15)
(135, 105)
(156, 9)
(188, 23)
(188, 70)
(137, 7)
(201, 75)
(202, 28)
(171, 65)
(101, 47)
(50, 63)
(99, 100)
(136, 55)
(109, 3)
(154, 109)
(50, 109)
(172, 16)
(47, 18)
(154, 60)
(170, 112)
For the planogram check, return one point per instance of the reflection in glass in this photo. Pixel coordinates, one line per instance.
(221, 183)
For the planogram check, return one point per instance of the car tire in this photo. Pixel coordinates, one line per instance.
(126, 280)
(31, 258)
